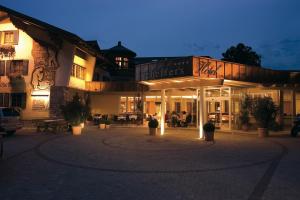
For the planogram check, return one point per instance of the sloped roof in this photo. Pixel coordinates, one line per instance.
(30, 21)
(119, 49)
(94, 44)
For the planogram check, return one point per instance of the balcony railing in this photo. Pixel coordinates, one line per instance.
(114, 86)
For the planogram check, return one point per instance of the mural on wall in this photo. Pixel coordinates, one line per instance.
(45, 65)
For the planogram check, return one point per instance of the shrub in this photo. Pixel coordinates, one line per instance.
(244, 113)
(209, 127)
(107, 122)
(153, 123)
(264, 111)
(73, 111)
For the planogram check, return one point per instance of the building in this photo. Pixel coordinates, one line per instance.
(42, 67)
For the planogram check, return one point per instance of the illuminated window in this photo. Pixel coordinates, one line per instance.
(9, 37)
(177, 107)
(78, 71)
(122, 62)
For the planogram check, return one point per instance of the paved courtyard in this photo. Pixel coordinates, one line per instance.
(126, 163)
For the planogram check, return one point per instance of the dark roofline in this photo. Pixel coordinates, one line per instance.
(71, 37)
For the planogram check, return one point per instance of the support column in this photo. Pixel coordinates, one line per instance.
(197, 110)
(201, 112)
(293, 106)
(163, 111)
(281, 108)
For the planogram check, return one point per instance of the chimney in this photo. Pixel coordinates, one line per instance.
(119, 43)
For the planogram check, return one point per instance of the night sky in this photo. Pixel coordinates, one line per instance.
(179, 27)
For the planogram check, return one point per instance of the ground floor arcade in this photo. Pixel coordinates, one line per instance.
(218, 103)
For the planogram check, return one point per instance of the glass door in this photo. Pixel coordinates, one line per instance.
(213, 112)
(218, 113)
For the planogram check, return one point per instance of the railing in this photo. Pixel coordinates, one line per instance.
(114, 86)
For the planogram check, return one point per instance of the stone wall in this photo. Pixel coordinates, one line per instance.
(59, 95)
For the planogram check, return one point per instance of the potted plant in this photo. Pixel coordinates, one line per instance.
(264, 111)
(209, 130)
(72, 112)
(102, 123)
(244, 113)
(107, 123)
(152, 124)
(87, 114)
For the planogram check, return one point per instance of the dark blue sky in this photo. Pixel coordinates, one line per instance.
(179, 27)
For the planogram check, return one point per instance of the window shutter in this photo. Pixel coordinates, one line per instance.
(2, 68)
(25, 67)
(16, 37)
(8, 64)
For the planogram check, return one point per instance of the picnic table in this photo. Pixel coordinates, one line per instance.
(53, 125)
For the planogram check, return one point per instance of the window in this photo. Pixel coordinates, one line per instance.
(9, 37)
(17, 67)
(2, 68)
(4, 99)
(177, 107)
(10, 112)
(119, 61)
(18, 100)
(78, 71)
(122, 62)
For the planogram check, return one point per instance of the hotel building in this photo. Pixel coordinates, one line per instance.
(42, 67)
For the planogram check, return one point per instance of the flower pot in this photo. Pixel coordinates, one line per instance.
(107, 125)
(263, 132)
(152, 131)
(76, 130)
(82, 125)
(102, 126)
(209, 136)
(245, 127)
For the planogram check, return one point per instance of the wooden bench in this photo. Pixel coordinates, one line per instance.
(51, 125)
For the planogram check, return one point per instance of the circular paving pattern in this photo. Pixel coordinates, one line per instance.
(133, 151)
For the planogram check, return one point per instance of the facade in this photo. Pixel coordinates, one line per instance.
(211, 89)
(42, 67)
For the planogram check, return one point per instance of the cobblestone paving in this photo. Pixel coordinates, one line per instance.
(126, 163)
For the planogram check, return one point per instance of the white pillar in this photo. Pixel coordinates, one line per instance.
(201, 112)
(163, 111)
(197, 110)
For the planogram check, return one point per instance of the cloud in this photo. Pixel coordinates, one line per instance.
(283, 54)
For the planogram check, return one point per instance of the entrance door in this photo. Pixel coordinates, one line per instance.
(218, 113)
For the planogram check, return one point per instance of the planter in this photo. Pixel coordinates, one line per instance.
(82, 125)
(152, 131)
(102, 126)
(107, 126)
(76, 130)
(263, 132)
(89, 123)
(209, 136)
(245, 127)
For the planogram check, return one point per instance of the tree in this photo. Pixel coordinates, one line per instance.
(242, 54)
